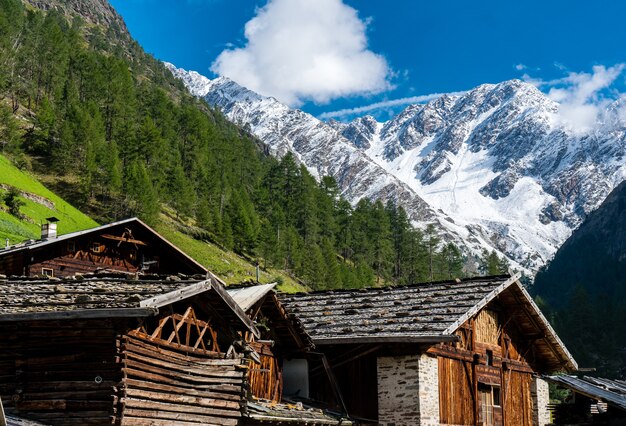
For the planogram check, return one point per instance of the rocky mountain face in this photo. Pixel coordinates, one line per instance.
(95, 11)
(494, 168)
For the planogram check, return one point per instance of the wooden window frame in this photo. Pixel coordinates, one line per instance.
(45, 270)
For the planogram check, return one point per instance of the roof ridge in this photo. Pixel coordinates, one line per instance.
(490, 278)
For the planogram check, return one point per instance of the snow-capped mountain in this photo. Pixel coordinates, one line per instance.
(494, 167)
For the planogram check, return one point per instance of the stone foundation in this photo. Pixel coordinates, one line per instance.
(541, 398)
(408, 391)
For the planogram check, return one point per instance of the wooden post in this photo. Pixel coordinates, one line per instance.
(474, 381)
(3, 419)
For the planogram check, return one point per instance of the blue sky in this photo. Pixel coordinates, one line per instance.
(382, 50)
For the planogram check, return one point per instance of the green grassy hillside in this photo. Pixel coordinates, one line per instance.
(39, 203)
(229, 266)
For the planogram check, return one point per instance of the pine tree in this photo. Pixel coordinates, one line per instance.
(432, 242)
(492, 264)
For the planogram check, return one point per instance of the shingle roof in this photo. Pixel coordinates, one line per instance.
(429, 312)
(110, 295)
(23, 295)
(612, 392)
(422, 312)
(287, 327)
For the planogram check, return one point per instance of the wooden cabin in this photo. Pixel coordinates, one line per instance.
(119, 349)
(591, 401)
(276, 392)
(463, 352)
(126, 246)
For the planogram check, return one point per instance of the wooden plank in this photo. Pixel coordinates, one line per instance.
(159, 395)
(200, 379)
(167, 415)
(174, 351)
(136, 421)
(181, 408)
(387, 339)
(167, 380)
(178, 390)
(82, 314)
(224, 372)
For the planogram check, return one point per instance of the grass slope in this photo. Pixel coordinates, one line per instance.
(38, 200)
(227, 265)
(40, 203)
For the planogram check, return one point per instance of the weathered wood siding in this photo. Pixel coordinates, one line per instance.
(265, 379)
(456, 392)
(60, 372)
(486, 377)
(518, 406)
(163, 384)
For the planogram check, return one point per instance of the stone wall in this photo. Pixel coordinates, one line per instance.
(408, 391)
(541, 398)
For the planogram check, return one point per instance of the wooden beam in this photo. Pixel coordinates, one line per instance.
(334, 385)
(386, 339)
(123, 239)
(81, 314)
(177, 295)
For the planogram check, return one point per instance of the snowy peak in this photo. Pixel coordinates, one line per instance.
(494, 167)
(197, 84)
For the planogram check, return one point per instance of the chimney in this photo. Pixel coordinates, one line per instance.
(6, 245)
(49, 229)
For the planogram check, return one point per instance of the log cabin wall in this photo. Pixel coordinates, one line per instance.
(170, 384)
(487, 377)
(60, 372)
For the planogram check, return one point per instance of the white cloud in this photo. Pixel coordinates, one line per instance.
(299, 50)
(377, 106)
(580, 96)
(520, 67)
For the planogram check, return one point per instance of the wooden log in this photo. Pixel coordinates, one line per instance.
(71, 414)
(180, 408)
(136, 421)
(182, 399)
(140, 384)
(76, 385)
(93, 395)
(183, 417)
(153, 349)
(62, 405)
(136, 338)
(198, 377)
(205, 370)
(235, 389)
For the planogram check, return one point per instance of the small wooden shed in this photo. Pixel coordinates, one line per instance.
(119, 349)
(592, 401)
(463, 352)
(276, 395)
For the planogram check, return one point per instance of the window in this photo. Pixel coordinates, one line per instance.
(71, 246)
(489, 357)
(48, 272)
(489, 399)
(496, 396)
